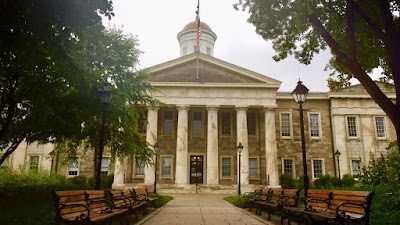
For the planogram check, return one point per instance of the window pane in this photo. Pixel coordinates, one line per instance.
(285, 125)
(168, 123)
(380, 127)
(288, 166)
(226, 123)
(139, 170)
(314, 125)
(317, 168)
(226, 167)
(351, 126)
(251, 123)
(166, 166)
(73, 167)
(355, 167)
(34, 163)
(197, 123)
(253, 168)
(105, 163)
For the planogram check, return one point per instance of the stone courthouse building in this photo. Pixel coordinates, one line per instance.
(214, 105)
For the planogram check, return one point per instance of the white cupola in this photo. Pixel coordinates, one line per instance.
(188, 35)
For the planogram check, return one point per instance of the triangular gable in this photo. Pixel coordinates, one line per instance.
(358, 91)
(202, 68)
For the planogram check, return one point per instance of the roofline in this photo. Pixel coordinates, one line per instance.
(214, 85)
(312, 95)
(213, 60)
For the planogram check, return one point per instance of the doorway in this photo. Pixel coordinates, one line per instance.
(196, 169)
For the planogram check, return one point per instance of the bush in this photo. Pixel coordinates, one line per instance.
(287, 181)
(348, 180)
(336, 182)
(239, 201)
(323, 182)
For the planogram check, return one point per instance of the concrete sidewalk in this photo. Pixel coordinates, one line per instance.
(204, 209)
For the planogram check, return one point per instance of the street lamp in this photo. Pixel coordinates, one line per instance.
(337, 155)
(52, 155)
(155, 168)
(105, 96)
(239, 148)
(300, 94)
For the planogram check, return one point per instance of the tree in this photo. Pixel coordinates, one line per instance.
(361, 34)
(113, 58)
(40, 83)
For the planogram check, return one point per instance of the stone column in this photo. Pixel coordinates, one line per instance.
(368, 137)
(119, 174)
(212, 145)
(271, 150)
(242, 137)
(151, 138)
(339, 126)
(181, 174)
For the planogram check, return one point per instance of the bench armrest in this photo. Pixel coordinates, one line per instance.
(342, 213)
(285, 201)
(108, 202)
(81, 217)
(321, 200)
(126, 200)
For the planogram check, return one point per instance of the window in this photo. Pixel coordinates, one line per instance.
(34, 163)
(355, 168)
(166, 167)
(73, 169)
(351, 126)
(105, 163)
(251, 123)
(139, 168)
(142, 123)
(226, 167)
(318, 168)
(197, 128)
(168, 122)
(285, 125)
(380, 127)
(226, 124)
(253, 167)
(314, 125)
(4, 165)
(287, 166)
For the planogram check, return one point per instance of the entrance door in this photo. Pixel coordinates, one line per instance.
(196, 169)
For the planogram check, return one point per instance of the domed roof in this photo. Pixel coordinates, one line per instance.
(193, 25)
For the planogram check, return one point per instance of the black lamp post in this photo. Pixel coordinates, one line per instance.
(337, 155)
(51, 154)
(239, 148)
(155, 168)
(300, 94)
(105, 96)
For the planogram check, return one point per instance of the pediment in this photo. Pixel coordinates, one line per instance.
(201, 68)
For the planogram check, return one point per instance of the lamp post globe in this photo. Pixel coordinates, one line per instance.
(300, 95)
(105, 95)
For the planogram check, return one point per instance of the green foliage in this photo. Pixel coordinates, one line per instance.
(240, 201)
(348, 180)
(287, 181)
(323, 182)
(162, 200)
(383, 170)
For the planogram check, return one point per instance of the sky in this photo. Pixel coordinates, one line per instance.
(156, 24)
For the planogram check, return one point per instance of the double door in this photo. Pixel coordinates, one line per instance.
(196, 169)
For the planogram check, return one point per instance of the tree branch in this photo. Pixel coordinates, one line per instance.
(350, 29)
(358, 72)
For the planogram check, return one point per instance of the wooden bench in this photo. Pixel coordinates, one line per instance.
(85, 207)
(342, 207)
(135, 205)
(277, 199)
(315, 200)
(151, 200)
(255, 197)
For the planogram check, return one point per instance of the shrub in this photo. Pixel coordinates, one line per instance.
(239, 201)
(287, 181)
(336, 182)
(348, 180)
(323, 182)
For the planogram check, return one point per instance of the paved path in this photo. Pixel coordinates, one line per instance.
(201, 209)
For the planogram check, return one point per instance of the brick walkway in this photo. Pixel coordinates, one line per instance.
(201, 209)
